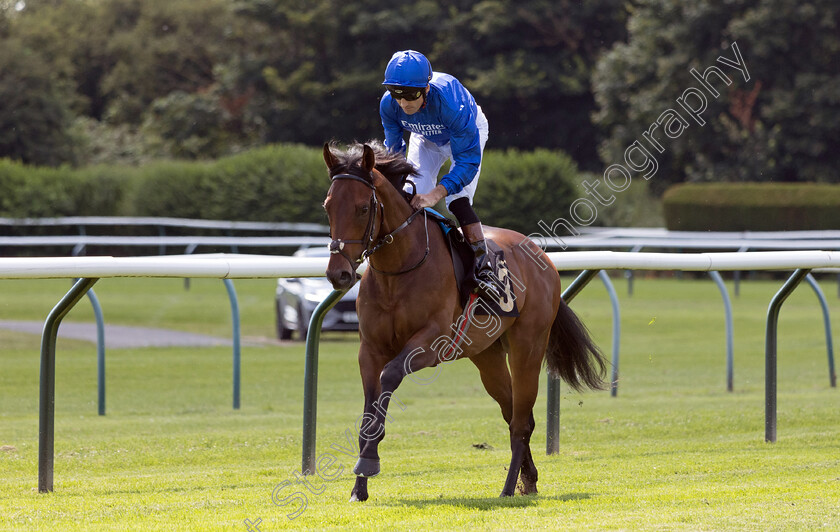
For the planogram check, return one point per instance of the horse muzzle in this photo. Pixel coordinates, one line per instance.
(339, 274)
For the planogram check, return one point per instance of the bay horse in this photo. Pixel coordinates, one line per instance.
(408, 301)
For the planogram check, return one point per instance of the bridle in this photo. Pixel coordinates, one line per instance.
(371, 247)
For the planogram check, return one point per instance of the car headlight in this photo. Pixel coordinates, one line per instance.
(314, 298)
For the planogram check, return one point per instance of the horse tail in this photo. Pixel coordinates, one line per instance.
(571, 353)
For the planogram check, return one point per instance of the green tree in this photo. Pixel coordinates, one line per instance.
(318, 72)
(317, 65)
(529, 63)
(61, 32)
(783, 124)
(34, 118)
(310, 70)
(160, 46)
(121, 55)
(192, 126)
(126, 62)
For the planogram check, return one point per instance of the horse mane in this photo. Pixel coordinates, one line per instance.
(393, 166)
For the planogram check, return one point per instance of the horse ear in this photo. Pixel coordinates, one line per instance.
(329, 158)
(368, 158)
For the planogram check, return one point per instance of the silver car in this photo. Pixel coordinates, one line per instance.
(296, 299)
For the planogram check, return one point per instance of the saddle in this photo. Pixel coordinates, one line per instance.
(496, 292)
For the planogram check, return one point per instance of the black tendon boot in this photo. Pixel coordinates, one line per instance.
(482, 271)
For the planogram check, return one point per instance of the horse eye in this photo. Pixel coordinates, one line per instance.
(365, 209)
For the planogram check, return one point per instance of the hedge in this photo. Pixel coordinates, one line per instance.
(752, 207)
(273, 183)
(27, 191)
(278, 183)
(518, 189)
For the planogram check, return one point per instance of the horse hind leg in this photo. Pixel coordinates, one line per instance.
(525, 361)
(492, 365)
(522, 465)
(495, 376)
(528, 474)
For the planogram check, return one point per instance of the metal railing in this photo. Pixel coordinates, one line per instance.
(225, 266)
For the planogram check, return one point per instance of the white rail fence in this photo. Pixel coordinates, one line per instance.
(227, 266)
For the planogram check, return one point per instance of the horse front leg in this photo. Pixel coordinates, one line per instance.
(360, 488)
(414, 357)
(370, 367)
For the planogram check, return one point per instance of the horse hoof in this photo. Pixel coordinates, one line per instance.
(354, 497)
(367, 467)
(526, 487)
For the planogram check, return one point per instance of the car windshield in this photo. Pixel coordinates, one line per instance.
(320, 251)
(319, 287)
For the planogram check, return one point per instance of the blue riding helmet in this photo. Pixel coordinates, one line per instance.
(408, 69)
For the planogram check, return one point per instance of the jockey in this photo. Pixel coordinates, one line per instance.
(444, 122)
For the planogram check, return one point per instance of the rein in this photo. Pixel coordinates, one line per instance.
(337, 244)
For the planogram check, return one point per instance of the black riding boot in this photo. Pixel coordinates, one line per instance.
(482, 270)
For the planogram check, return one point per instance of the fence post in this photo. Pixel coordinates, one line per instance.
(100, 349)
(310, 381)
(552, 431)
(46, 409)
(727, 308)
(770, 358)
(234, 312)
(829, 344)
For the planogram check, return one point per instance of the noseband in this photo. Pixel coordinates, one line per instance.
(371, 247)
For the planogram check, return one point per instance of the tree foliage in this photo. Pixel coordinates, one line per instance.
(118, 58)
(527, 62)
(309, 71)
(783, 124)
(319, 74)
(34, 117)
(530, 63)
(127, 80)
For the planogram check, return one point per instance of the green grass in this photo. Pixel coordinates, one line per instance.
(674, 451)
(204, 307)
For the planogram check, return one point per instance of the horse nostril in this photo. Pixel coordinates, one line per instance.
(345, 278)
(341, 280)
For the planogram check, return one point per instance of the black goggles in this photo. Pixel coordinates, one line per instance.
(405, 93)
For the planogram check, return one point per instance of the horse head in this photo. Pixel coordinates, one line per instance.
(364, 179)
(354, 213)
